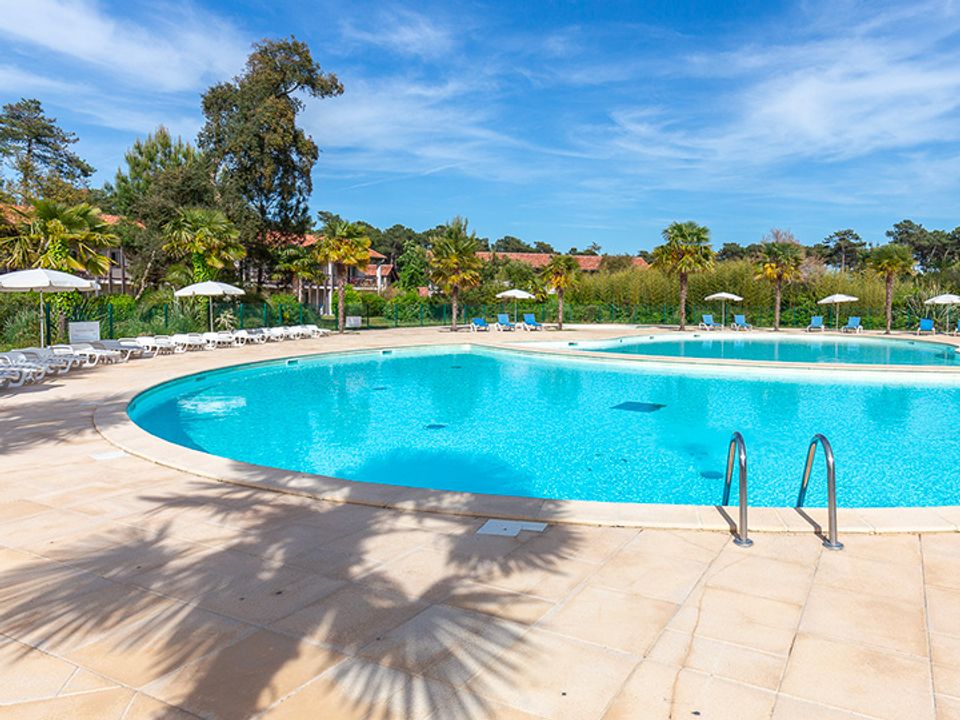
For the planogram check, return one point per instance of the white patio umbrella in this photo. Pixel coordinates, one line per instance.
(947, 299)
(835, 300)
(723, 297)
(517, 295)
(208, 289)
(42, 280)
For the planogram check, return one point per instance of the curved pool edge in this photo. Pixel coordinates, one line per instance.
(114, 424)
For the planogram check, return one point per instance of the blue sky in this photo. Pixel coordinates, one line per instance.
(557, 121)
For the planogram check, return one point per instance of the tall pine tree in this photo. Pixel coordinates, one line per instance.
(262, 160)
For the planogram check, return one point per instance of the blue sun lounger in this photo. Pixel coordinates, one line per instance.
(707, 323)
(816, 323)
(530, 322)
(479, 325)
(853, 325)
(740, 323)
(503, 322)
(926, 326)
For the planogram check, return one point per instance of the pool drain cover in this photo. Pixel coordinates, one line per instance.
(435, 426)
(510, 528)
(638, 406)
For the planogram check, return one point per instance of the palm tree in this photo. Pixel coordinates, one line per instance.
(779, 262)
(302, 264)
(560, 274)
(686, 250)
(889, 261)
(59, 237)
(345, 245)
(207, 238)
(454, 265)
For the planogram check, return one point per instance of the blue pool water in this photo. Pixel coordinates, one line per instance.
(536, 425)
(783, 348)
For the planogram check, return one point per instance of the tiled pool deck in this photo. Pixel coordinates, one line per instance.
(130, 589)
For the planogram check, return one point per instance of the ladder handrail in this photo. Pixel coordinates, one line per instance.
(830, 541)
(739, 448)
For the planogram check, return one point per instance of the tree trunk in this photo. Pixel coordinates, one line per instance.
(560, 308)
(889, 302)
(777, 296)
(683, 301)
(454, 308)
(341, 293)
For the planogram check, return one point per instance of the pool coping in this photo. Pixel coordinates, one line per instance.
(114, 424)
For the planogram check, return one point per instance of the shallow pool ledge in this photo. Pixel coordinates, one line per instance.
(113, 423)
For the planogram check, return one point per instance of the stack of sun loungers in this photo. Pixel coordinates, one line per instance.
(33, 365)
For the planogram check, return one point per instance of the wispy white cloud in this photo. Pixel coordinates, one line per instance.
(831, 102)
(404, 32)
(178, 47)
(403, 125)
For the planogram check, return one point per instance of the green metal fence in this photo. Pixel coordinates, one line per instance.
(121, 316)
(126, 319)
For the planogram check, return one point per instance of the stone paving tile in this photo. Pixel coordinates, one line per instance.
(29, 674)
(448, 644)
(945, 655)
(554, 676)
(948, 708)
(941, 569)
(860, 679)
(942, 606)
(719, 658)
(245, 678)
(266, 597)
(753, 622)
(13, 509)
(616, 620)
(140, 653)
(352, 616)
(102, 705)
(144, 707)
(660, 692)
(739, 570)
(870, 576)
(789, 708)
(471, 595)
(879, 621)
(658, 576)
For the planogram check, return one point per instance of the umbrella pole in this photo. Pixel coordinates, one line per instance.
(43, 334)
(723, 306)
(210, 305)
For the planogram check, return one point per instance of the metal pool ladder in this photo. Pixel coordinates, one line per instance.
(830, 541)
(738, 449)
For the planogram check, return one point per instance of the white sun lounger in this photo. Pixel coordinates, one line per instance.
(12, 377)
(191, 341)
(86, 350)
(160, 344)
(250, 337)
(15, 360)
(61, 363)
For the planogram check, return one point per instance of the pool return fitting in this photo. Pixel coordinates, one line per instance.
(738, 451)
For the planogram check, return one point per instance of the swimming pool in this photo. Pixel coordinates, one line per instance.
(782, 348)
(542, 425)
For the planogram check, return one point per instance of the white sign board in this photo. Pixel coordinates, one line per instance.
(354, 321)
(81, 332)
